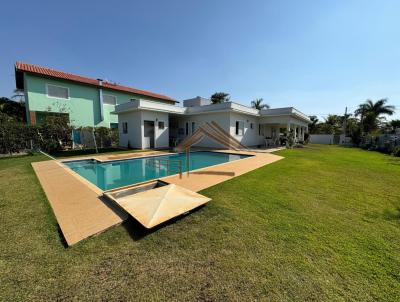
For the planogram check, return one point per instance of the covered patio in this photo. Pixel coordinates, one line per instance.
(277, 123)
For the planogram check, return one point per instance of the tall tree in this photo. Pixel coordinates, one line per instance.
(371, 113)
(258, 104)
(395, 124)
(312, 127)
(15, 110)
(220, 97)
(333, 124)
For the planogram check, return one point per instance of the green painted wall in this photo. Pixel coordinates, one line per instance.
(83, 106)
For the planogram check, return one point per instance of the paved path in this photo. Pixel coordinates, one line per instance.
(79, 209)
(210, 176)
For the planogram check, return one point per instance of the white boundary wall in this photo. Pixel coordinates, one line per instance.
(325, 139)
(329, 139)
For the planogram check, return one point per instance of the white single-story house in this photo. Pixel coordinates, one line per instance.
(147, 124)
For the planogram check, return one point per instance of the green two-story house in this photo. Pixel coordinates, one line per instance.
(86, 101)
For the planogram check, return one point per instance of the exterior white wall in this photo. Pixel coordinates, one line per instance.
(221, 118)
(197, 101)
(326, 139)
(329, 139)
(250, 136)
(135, 120)
(225, 115)
(134, 135)
(161, 136)
(227, 120)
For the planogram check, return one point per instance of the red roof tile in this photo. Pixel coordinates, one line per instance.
(20, 66)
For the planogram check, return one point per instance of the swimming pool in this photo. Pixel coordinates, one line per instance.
(113, 174)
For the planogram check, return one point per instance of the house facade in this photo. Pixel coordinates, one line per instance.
(146, 124)
(146, 119)
(86, 101)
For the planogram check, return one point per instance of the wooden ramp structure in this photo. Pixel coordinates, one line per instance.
(213, 131)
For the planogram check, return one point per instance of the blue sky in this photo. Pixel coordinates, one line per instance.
(318, 56)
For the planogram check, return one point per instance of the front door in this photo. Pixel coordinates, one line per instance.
(148, 135)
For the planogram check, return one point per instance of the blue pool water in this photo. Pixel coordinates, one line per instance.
(114, 174)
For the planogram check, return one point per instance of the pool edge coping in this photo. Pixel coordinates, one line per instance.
(101, 192)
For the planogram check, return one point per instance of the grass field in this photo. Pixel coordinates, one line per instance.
(323, 224)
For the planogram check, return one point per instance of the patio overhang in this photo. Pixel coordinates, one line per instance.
(284, 116)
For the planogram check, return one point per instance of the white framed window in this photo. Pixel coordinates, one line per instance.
(251, 125)
(161, 125)
(57, 92)
(187, 128)
(124, 127)
(193, 127)
(239, 128)
(109, 99)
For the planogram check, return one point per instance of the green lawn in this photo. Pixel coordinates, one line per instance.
(322, 224)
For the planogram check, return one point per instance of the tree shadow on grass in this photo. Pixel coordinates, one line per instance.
(392, 215)
(137, 231)
(394, 161)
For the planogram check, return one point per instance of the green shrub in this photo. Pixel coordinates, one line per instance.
(396, 151)
(306, 138)
(52, 135)
(290, 142)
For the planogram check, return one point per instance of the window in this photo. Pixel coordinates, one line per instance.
(124, 127)
(58, 92)
(251, 125)
(193, 127)
(114, 125)
(161, 125)
(259, 129)
(187, 128)
(109, 99)
(239, 128)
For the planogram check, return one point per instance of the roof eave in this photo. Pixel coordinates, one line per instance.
(19, 83)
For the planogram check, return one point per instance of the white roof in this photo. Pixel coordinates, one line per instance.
(222, 107)
(285, 111)
(148, 105)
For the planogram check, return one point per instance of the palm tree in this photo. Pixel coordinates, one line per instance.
(332, 125)
(312, 127)
(219, 97)
(371, 113)
(395, 124)
(258, 104)
(378, 108)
